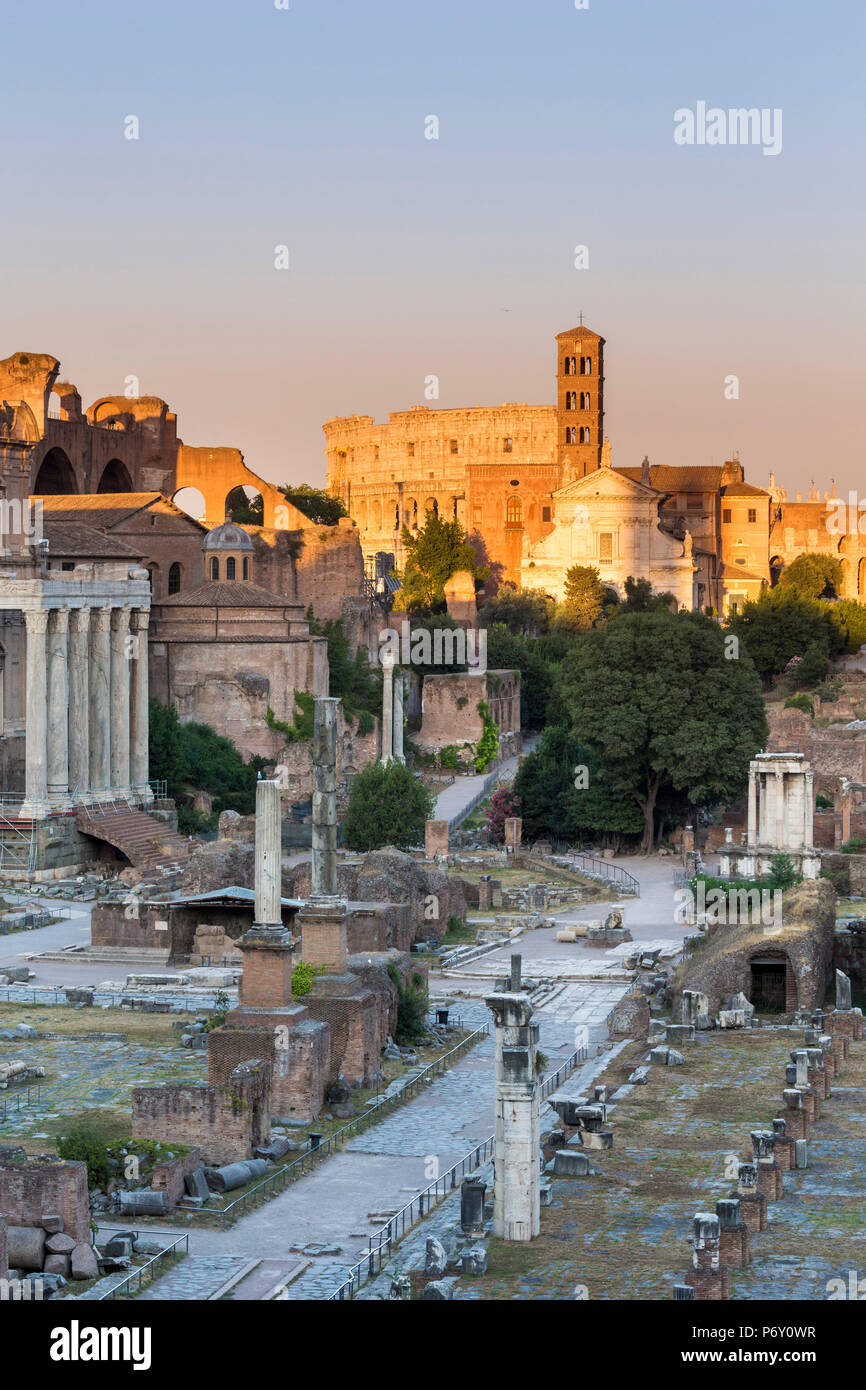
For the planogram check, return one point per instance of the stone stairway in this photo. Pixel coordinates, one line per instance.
(148, 843)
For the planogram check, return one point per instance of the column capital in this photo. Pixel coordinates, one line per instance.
(58, 619)
(79, 619)
(120, 617)
(100, 620)
(140, 618)
(36, 619)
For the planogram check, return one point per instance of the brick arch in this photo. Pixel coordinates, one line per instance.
(115, 477)
(55, 475)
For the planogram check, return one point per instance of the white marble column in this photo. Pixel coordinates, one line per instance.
(752, 836)
(58, 709)
(79, 714)
(35, 805)
(387, 705)
(100, 680)
(268, 861)
(397, 740)
(779, 840)
(121, 660)
(139, 720)
(809, 810)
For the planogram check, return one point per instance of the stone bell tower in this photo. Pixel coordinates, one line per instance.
(579, 402)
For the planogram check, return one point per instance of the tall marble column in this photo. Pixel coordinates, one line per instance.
(58, 709)
(139, 713)
(100, 681)
(780, 840)
(809, 810)
(79, 715)
(119, 699)
(752, 836)
(397, 739)
(387, 705)
(35, 805)
(517, 1186)
(268, 865)
(323, 888)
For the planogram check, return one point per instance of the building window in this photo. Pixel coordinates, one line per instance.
(214, 568)
(67, 565)
(514, 512)
(584, 434)
(476, 514)
(694, 502)
(726, 516)
(740, 560)
(246, 567)
(507, 445)
(455, 449)
(753, 515)
(174, 578)
(586, 366)
(410, 448)
(545, 513)
(397, 516)
(566, 367)
(585, 401)
(230, 567)
(375, 454)
(454, 501)
(605, 546)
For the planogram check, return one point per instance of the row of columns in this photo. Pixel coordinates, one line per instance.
(87, 706)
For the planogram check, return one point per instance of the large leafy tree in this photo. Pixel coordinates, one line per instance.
(524, 611)
(388, 805)
(584, 599)
(507, 651)
(813, 576)
(432, 555)
(664, 714)
(317, 505)
(780, 624)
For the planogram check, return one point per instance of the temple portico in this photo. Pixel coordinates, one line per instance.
(85, 693)
(780, 819)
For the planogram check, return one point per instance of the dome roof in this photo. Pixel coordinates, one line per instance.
(227, 537)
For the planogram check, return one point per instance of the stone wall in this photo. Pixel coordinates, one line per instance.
(32, 1190)
(227, 1122)
(299, 1059)
(388, 876)
(721, 964)
(450, 712)
(168, 1177)
(834, 752)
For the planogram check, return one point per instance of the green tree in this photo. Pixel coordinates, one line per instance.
(316, 505)
(388, 805)
(509, 651)
(433, 554)
(245, 511)
(194, 757)
(664, 714)
(350, 678)
(813, 576)
(526, 612)
(780, 624)
(584, 599)
(850, 618)
(640, 597)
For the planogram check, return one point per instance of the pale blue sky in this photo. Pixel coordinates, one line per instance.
(306, 127)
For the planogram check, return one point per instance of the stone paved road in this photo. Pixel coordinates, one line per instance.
(196, 1277)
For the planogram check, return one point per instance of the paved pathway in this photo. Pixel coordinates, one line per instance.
(196, 1277)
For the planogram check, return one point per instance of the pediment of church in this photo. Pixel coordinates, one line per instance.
(606, 483)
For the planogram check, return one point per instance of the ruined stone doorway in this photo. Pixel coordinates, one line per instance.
(768, 993)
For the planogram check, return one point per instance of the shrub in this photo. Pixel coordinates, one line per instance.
(303, 976)
(488, 744)
(854, 847)
(448, 757)
(783, 871)
(801, 701)
(503, 803)
(412, 1006)
(387, 806)
(83, 1143)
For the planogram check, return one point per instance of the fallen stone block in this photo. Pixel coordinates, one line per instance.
(438, 1291)
(568, 1164)
(84, 1263)
(59, 1244)
(26, 1247)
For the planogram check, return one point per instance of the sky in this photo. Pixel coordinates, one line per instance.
(304, 127)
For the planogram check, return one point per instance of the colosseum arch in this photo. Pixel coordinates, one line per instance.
(115, 478)
(55, 476)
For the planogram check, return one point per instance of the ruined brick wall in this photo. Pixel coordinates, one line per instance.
(169, 1177)
(226, 1122)
(329, 568)
(299, 1058)
(834, 752)
(391, 876)
(34, 1189)
(144, 927)
(449, 707)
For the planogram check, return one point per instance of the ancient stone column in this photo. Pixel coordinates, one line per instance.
(387, 705)
(139, 713)
(324, 870)
(58, 709)
(268, 867)
(809, 809)
(119, 701)
(100, 679)
(397, 737)
(36, 772)
(780, 840)
(517, 1180)
(752, 837)
(79, 720)
(843, 991)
